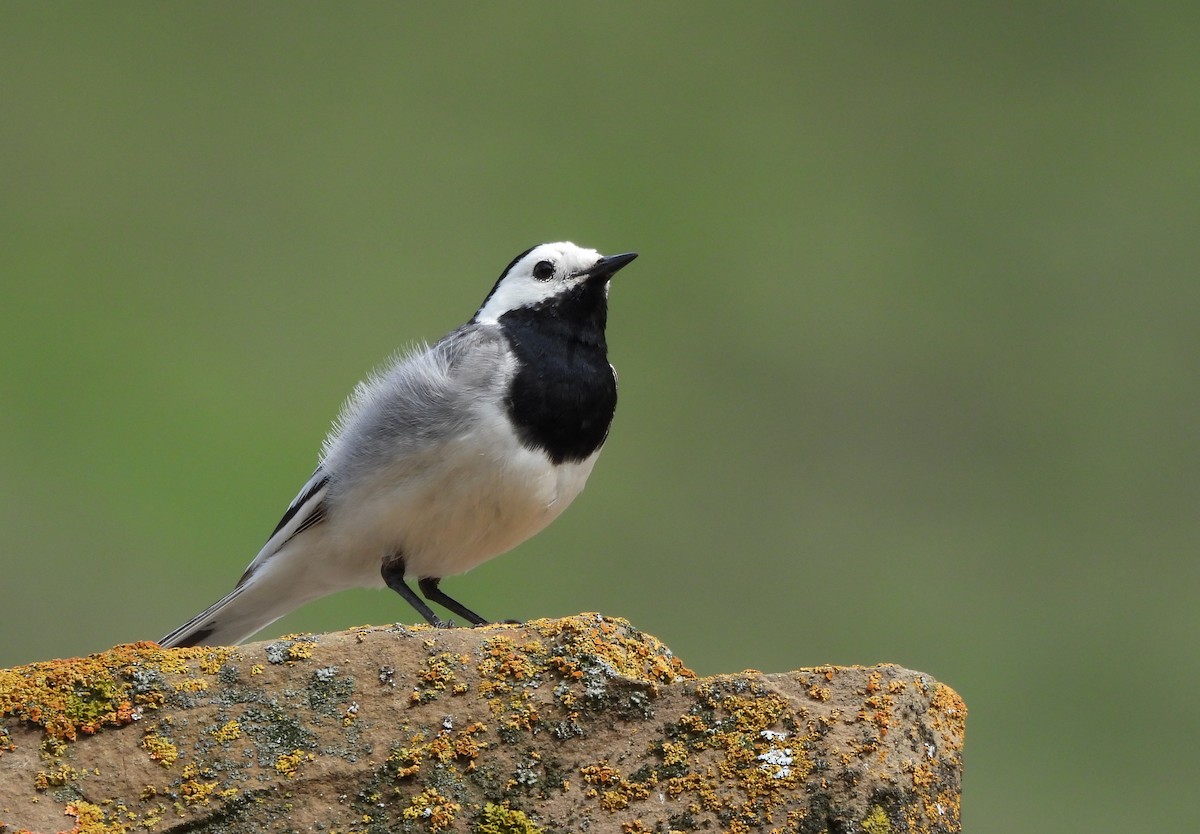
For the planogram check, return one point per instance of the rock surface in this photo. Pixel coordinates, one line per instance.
(579, 724)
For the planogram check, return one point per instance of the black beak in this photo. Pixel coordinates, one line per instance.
(606, 267)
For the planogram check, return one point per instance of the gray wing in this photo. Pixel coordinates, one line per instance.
(392, 414)
(405, 409)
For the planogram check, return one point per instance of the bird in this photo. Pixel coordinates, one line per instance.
(451, 455)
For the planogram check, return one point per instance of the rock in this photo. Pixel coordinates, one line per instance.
(579, 724)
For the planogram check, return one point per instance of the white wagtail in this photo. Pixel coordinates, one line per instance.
(452, 455)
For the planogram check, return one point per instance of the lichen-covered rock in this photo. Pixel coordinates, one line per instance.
(563, 725)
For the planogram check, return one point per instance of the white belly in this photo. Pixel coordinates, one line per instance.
(482, 495)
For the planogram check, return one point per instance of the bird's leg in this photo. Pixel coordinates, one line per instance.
(429, 587)
(393, 575)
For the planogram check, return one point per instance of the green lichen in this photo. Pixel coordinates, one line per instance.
(500, 819)
(327, 691)
(876, 822)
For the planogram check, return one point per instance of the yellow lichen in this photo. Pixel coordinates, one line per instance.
(431, 808)
(213, 659)
(192, 790)
(55, 777)
(287, 764)
(407, 759)
(160, 749)
(300, 651)
(629, 652)
(615, 791)
(227, 732)
(91, 819)
(601, 773)
(191, 685)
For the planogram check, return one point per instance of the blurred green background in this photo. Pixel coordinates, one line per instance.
(909, 363)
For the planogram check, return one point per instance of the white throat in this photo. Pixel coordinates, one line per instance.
(520, 287)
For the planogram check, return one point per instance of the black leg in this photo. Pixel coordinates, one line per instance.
(429, 587)
(393, 575)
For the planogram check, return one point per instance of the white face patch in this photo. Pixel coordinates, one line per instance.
(544, 272)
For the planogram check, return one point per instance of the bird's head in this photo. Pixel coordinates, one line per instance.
(547, 272)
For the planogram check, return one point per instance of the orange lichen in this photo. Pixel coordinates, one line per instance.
(877, 710)
(615, 792)
(948, 714)
(674, 753)
(434, 810)
(199, 788)
(445, 747)
(508, 675)
(628, 651)
(738, 753)
(506, 666)
(636, 827)
(819, 693)
(84, 694)
(437, 675)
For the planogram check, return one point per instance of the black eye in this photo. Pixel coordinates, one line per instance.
(543, 271)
